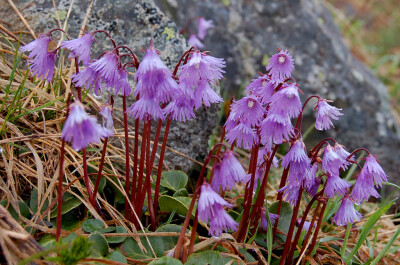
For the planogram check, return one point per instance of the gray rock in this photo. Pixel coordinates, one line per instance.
(132, 23)
(248, 32)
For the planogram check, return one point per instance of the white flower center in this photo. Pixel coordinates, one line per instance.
(281, 59)
(250, 104)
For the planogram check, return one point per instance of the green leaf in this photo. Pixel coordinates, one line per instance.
(92, 225)
(33, 202)
(180, 204)
(181, 193)
(166, 261)
(48, 241)
(207, 257)
(100, 245)
(132, 249)
(174, 179)
(120, 239)
(70, 202)
(285, 215)
(388, 245)
(367, 228)
(117, 256)
(69, 238)
(106, 230)
(23, 208)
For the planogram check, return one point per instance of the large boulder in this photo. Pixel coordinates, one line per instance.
(247, 33)
(132, 23)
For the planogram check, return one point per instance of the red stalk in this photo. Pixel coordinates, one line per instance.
(291, 228)
(193, 234)
(314, 240)
(135, 162)
(96, 186)
(127, 213)
(147, 181)
(160, 164)
(140, 189)
(303, 248)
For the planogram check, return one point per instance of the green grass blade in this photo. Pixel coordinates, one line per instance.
(388, 245)
(346, 238)
(367, 228)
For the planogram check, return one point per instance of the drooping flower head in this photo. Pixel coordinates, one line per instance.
(195, 42)
(364, 188)
(280, 66)
(286, 101)
(243, 135)
(199, 75)
(153, 77)
(335, 185)
(88, 78)
(375, 171)
(298, 161)
(38, 48)
(211, 209)
(275, 129)
(232, 166)
(291, 192)
(262, 87)
(346, 213)
(122, 84)
(108, 122)
(332, 162)
(41, 62)
(180, 109)
(325, 113)
(343, 154)
(80, 47)
(202, 27)
(80, 128)
(248, 109)
(107, 68)
(309, 178)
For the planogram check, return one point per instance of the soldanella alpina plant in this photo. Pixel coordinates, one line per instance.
(267, 119)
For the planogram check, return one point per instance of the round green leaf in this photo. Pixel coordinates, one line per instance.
(166, 261)
(117, 256)
(100, 245)
(117, 240)
(92, 225)
(180, 204)
(174, 179)
(70, 202)
(181, 193)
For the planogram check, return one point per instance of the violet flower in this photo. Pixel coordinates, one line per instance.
(343, 154)
(275, 128)
(198, 75)
(107, 68)
(38, 48)
(244, 136)
(202, 27)
(280, 66)
(262, 87)
(180, 109)
(108, 123)
(291, 192)
(298, 161)
(346, 213)
(80, 48)
(364, 188)
(195, 42)
(374, 170)
(232, 166)
(248, 109)
(325, 113)
(335, 185)
(332, 162)
(210, 209)
(286, 101)
(146, 108)
(122, 84)
(221, 179)
(154, 79)
(80, 128)
(89, 79)
(43, 67)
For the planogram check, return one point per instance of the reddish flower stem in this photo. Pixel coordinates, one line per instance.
(180, 60)
(291, 228)
(160, 164)
(303, 248)
(244, 222)
(193, 234)
(60, 179)
(256, 213)
(300, 118)
(279, 199)
(127, 213)
(314, 240)
(135, 163)
(105, 32)
(140, 186)
(96, 186)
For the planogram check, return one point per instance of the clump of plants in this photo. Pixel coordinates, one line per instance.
(229, 214)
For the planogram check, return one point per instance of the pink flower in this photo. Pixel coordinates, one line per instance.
(80, 128)
(286, 101)
(180, 109)
(202, 27)
(89, 79)
(332, 162)
(244, 135)
(38, 47)
(375, 171)
(248, 109)
(80, 47)
(262, 87)
(108, 123)
(298, 161)
(280, 66)
(346, 213)
(364, 188)
(325, 113)
(335, 185)
(146, 108)
(107, 68)
(276, 128)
